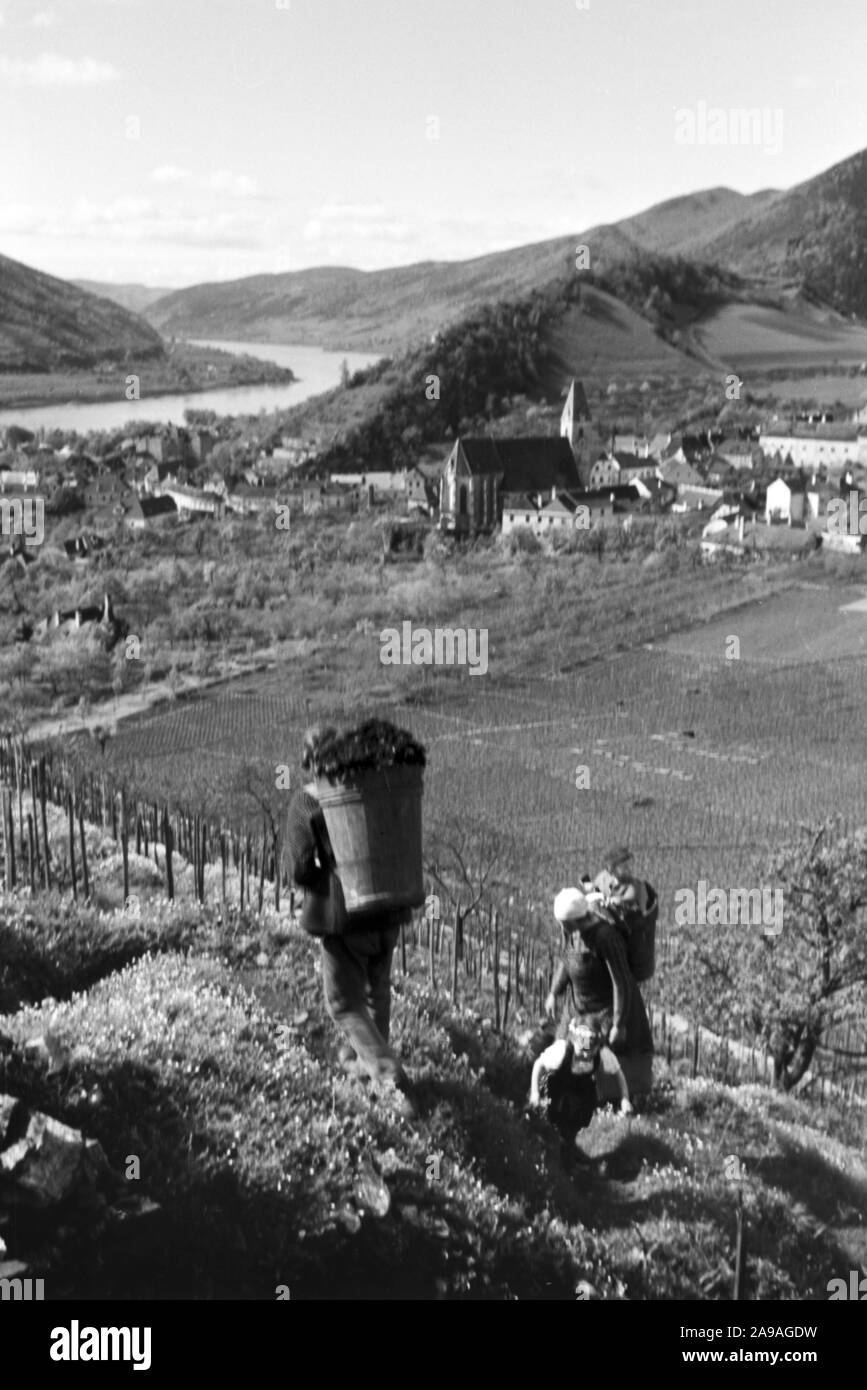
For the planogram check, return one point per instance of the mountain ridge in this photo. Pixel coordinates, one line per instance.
(48, 324)
(753, 236)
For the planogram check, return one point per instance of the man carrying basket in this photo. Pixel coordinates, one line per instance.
(356, 949)
(594, 978)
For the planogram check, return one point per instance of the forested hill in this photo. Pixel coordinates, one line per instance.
(48, 324)
(527, 346)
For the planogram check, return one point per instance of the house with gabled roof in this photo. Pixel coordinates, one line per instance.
(145, 512)
(654, 492)
(618, 469)
(737, 452)
(807, 446)
(678, 472)
(786, 500)
(697, 499)
(480, 471)
(637, 444)
(569, 510)
(190, 501)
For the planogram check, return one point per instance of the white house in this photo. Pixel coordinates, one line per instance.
(832, 445)
(19, 480)
(187, 499)
(383, 481)
(617, 469)
(785, 501)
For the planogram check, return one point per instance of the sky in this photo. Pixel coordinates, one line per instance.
(171, 142)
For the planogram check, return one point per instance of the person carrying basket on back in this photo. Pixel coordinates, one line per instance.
(356, 957)
(593, 980)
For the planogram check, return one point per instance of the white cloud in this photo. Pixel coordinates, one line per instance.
(188, 239)
(234, 185)
(134, 221)
(356, 212)
(359, 221)
(169, 173)
(18, 218)
(43, 19)
(222, 181)
(55, 70)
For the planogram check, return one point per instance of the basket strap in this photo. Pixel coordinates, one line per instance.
(323, 843)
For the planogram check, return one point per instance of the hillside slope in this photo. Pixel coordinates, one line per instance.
(211, 1058)
(685, 224)
(48, 324)
(808, 238)
(813, 235)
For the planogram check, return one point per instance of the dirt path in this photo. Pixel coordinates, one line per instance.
(107, 714)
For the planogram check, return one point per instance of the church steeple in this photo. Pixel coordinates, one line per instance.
(576, 413)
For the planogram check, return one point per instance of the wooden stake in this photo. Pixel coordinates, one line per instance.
(262, 869)
(168, 841)
(508, 977)
(31, 854)
(496, 967)
(70, 813)
(739, 1291)
(46, 859)
(5, 830)
(455, 955)
(430, 938)
(85, 879)
(124, 844)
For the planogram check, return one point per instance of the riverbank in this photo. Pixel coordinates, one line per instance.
(186, 368)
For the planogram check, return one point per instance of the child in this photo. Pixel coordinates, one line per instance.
(564, 1080)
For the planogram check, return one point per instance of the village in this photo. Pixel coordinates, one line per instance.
(806, 474)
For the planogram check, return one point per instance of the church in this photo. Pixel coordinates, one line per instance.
(480, 471)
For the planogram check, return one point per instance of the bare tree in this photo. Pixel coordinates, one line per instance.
(462, 865)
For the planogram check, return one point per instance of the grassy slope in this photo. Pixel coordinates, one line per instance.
(269, 1164)
(266, 1160)
(755, 338)
(812, 233)
(48, 324)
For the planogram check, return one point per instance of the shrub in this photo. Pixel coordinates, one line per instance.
(523, 541)
(52, 947)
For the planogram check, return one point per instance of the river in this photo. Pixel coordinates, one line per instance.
(317, 370)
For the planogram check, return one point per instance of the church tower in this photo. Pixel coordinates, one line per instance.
(576, 414)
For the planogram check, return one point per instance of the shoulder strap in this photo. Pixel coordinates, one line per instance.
(323, 843)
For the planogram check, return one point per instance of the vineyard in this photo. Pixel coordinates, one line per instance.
(700, 764)
(704, 765)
